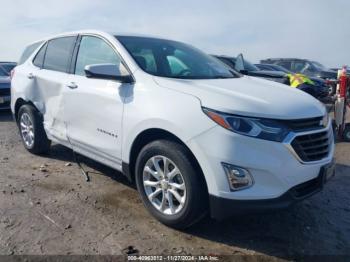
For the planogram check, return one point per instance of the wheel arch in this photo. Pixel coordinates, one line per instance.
(147, 136)
(19, 103)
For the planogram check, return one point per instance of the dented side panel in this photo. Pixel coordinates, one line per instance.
(48, 91)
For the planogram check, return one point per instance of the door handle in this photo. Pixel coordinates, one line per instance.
(72, 85)
(30, 76)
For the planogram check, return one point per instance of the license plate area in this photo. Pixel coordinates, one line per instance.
(328, 171)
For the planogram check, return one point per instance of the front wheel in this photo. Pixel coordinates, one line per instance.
(170, 185)
(32, 130)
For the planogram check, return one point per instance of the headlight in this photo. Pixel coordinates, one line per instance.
(254, 127)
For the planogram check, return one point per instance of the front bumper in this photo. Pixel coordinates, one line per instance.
(221, 208)
(273, 166)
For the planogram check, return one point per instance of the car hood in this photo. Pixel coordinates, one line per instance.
(328, 74)
(249, 96)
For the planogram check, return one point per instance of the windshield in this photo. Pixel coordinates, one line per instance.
(247, 65)
(318, 65)
(173, 59)
(8, 67)
(2, 73)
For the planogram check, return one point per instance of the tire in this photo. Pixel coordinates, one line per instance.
(30, 122)
(346, 134)
(195, 194)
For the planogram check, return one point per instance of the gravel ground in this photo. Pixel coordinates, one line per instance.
(46, 207)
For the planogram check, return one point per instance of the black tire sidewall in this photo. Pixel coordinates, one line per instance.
(194, 186)
(41, 143)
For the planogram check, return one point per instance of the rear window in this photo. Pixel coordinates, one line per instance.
(28, 51)
(58, 53)
(39, 58)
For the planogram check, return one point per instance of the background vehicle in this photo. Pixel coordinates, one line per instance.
(7, 67)
(303, 66)
(5, 90)
(321, 88)
(272, 67)
(347, 70)
(192, 133)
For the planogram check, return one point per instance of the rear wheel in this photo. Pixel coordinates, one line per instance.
(171, 187)
(32, 131)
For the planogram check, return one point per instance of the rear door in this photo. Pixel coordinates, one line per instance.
(50, 78)
(94, 107)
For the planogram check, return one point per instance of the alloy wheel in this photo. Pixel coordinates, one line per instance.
(27, 129)
(164, 185)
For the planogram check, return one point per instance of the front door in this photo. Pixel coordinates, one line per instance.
(94, 107)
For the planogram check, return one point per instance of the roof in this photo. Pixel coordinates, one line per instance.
(97, 32)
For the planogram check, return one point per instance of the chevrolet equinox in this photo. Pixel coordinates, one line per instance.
(194, 135)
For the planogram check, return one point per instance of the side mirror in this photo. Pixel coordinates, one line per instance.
(108, 71)
(244, 72)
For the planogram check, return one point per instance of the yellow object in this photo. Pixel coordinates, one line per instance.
(298, 79)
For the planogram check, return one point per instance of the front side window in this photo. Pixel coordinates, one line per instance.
(173, 59)
(58, 53)
(94, 50)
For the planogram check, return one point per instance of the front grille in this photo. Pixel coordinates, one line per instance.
(312, 147)
(304, 124)
(5, 92)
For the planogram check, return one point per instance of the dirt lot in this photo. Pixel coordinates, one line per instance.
(46, 207)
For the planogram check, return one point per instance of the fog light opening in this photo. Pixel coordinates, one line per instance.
(238, 177)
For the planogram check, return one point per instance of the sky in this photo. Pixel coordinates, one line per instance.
(312, 29)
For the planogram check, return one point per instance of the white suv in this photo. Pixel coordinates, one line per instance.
(195, 136)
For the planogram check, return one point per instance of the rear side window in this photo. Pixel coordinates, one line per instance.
(94, 50)
(28, 51)
(39, 58)
(58, 53)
